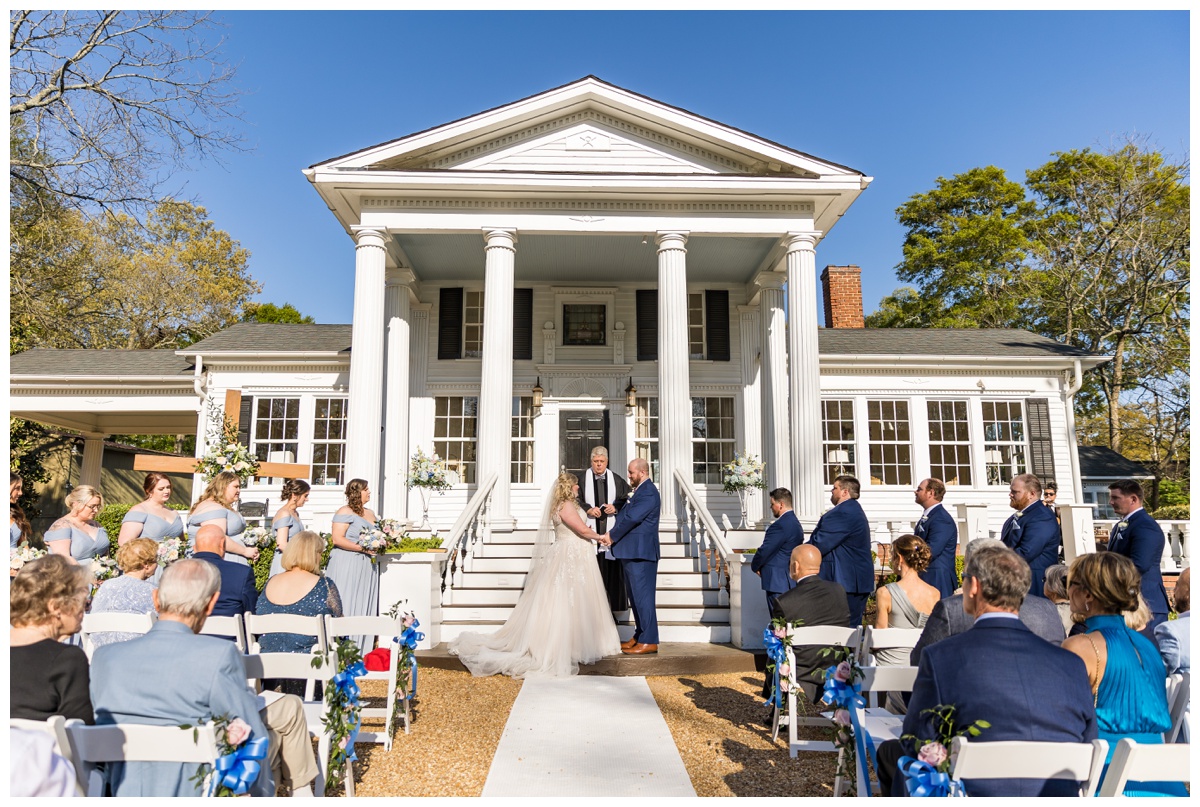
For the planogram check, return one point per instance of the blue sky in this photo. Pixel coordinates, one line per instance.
(905, 97)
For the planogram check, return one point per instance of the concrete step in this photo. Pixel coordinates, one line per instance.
(516, 580)
(512, 549)
(692, 596)
(667, 631)
(498, 612)
(520, 565)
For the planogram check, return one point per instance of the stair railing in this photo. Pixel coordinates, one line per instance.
(701, 533)
(473, 527)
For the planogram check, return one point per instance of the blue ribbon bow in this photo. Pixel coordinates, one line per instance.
(924, 780)
(345, 682)
(776, 652)
(841, 695)
(239, 769)
(409, 638)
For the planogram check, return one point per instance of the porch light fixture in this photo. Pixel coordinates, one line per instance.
(630, 396)
(537, 394)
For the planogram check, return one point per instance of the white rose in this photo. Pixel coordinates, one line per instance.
(231, 447)
(239, 466)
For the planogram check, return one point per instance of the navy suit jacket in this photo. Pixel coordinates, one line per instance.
(999, 671)
(844, 537)
(812, 601)
(940, 531)
(774, 556)
(634, 532)
(1142, 541)
(1035, 536)
(238, 594)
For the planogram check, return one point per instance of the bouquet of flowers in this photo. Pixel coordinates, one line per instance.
(240, 763)
(743, 473)
(929, 773)
(104, 569)
(373, 539)
(170, 551)
(427, 472)
(261, 537)
(225, 453)
(392, 529)
(22, 554)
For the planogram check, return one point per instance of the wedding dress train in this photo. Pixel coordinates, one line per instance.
(561, 620)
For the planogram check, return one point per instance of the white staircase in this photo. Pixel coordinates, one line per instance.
(691, 606)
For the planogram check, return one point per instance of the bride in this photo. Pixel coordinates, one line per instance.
(562, 619)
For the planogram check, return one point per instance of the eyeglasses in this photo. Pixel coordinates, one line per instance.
(92, 507)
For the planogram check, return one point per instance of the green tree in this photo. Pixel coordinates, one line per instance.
(269, 312)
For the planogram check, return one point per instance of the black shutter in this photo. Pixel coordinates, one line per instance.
(1041, 443)
(450, 316)
(522, 324)
(716, 324)
(647, 325)
(245, 415)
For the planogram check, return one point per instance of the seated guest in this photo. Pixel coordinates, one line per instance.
(194, 678)
(131, 593)
(812, 602)
(1138, 618)
(974, 672)
(907, 602)
(1055, 590)
(949, 616)
(46, 677)
(1124, 668)
(238, 594)
(1174, 638)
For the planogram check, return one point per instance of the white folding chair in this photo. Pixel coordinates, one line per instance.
(1179, 698)
(111, 621)
(827, 635)
(387, 630)
(299, 666)
(878, 722)
(229, 626)
(1134, 762)
(885, 639)
(1011, 759)
(258, 625)
(127, 742)
(55, 726)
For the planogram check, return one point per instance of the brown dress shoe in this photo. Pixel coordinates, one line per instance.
(641, 650)
(629, 643)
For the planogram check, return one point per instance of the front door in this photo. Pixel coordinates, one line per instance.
(578, 433)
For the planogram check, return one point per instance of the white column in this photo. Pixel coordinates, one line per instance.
(494, 453)
(804, 374)
(421, 405)
(674, 383)
(93, 459)
(395, 447)
(364, 427)
(751, 437)
(777, 452)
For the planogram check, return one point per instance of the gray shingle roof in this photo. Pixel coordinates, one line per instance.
(276, 338)
(42, 361)
(1101, 462)
(999, 342)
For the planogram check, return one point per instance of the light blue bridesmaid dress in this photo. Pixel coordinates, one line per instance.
(14, 535)
(83, 546)
(294, 526)
(235, 525)
(355, 575)
(156, 529)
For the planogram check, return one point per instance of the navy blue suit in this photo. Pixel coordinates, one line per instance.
(844, 537)
(774, 556)
(999, 671)
(634, 537)
(940, 531)
(1142, 541)
(238, 594)
(1035, 536)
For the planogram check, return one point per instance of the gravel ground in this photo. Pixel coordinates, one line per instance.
(715, 720)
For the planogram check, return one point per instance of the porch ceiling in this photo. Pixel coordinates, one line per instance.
(556, 258)
(112, 421)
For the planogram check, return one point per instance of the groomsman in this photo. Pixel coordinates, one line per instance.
(1139, 538)
(1032, 531)
(771, 560)
(937, 528)
(602, 494)
(843, 535)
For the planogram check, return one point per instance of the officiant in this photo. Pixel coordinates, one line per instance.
(602, 494)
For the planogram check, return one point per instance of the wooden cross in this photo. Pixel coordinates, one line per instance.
(187, 465)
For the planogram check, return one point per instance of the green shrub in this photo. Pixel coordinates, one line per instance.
(414, 545)
(959, 563)
(1174, 512)
(262, 567)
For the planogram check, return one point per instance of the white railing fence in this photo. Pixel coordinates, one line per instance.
(1175, 557)
(472, 528)
(702, 535)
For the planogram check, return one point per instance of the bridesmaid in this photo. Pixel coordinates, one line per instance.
(78, 535)
(352, 568)
(18, 524)
(216, 505)
(151, 518)
(287, 521)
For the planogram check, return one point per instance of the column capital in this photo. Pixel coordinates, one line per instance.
(399, 277)
(770, 280)
(804, 241)
(671, 239)
(503, 237)
(370, 236)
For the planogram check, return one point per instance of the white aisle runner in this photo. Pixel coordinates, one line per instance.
(587, 735)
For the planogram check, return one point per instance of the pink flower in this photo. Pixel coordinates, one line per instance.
(844, 737)
(409, 620)
(237, 732)
(779, 632)
(843, 672)
(933, 753)
(841, 717)
(342, 743)
(785, 669)
(783, 685)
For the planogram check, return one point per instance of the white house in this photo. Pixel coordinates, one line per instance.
(590, 266)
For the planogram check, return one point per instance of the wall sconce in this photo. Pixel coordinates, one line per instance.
(630, 396)
(537, 395)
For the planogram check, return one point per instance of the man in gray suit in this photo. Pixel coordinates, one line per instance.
(948, 617)
(172, 676)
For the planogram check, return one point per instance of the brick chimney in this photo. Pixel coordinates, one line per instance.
(843, 296)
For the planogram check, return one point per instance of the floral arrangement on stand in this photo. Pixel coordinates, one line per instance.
(241, 760)
(777, 637)
(741, 476)
(170, 551)
(224, 452)
(929, 773)
(262, 538)
(844, 693)
(345, 711)
(19, 556)
(427, 474)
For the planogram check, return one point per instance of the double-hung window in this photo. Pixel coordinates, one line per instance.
(1004, 448)
(890, 442)
(276, 433)
(645, 441)
(949, 442)
(712, 439)
(837, 444)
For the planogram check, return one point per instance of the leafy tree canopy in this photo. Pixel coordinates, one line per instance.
(269, 312)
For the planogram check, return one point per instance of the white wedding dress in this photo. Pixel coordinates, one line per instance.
(562, 619)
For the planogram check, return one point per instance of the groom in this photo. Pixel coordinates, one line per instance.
(634, 537)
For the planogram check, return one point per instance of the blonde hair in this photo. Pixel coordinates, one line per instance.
(81, 495)
(137, 554)
(564, 490)
(1139, 617)
(303, 551)
(1111, 579)
(216, 489)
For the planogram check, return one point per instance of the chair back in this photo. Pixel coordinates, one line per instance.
(886, 638)
(888, 679)
(387, 629)
(1134, 762)
(254, 511)
(230, 626)
(1179, 696)
(55, 726)
(1012, 759)
(259, 624)
(111, 621)
(127, 742)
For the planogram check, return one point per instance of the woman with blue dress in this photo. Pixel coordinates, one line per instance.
(1125, 670)
(287, 521)
(78, 535)
(216, 505)
(352, 568)
(151, 518)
